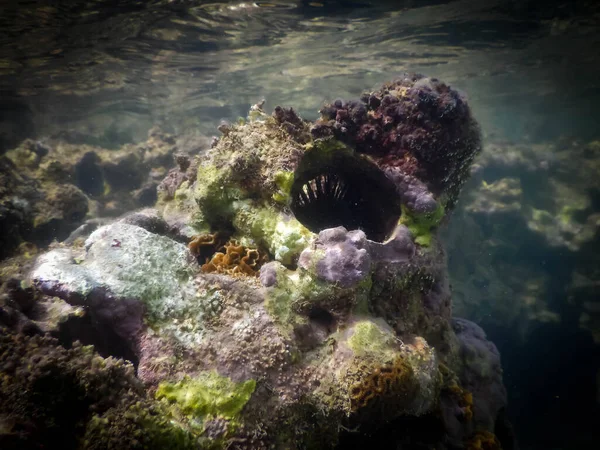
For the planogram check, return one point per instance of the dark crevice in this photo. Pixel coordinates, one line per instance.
(89, 175)
(406, 433)
(322, 318)
(351, 192)
(104, 339)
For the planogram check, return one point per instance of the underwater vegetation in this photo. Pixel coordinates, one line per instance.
(49, 189)
(287, 291)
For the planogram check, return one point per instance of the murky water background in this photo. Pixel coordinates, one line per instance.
(111, 69)
(105, 72)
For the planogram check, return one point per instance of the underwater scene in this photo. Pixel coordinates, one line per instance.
(300, 225)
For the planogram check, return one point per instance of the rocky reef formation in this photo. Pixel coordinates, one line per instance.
(523, 250)
(530, 217)
(48, 189)
(311, 305)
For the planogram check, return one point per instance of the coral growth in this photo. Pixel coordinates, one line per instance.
(390, 380)
(53, 397)
(462, 398)
(235, 259)
(207, 396)
(48, 189)
(338, 256)
(415, 125)
(483, 440)
(136, 425)
(202, 246)
(348, 324)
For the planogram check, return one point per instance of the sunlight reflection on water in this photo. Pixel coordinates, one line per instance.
(185, 65)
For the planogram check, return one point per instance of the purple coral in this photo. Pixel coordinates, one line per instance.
(417, 124)
(482, 372)
(268, 274)
(340, 256)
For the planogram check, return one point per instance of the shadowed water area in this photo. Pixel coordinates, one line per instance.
(523, 243)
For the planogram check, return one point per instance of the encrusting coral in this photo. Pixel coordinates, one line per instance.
(415, 126)
(386, 381)
(235, 259)
(347, 326)
(202, 246)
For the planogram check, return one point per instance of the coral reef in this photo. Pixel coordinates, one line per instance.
(49, 189)
(54, 397)
(526, 204)
(347, 327)
(202, 246)
(338, 256)
(412, 127)
(235, 259)
(208, 396)
(483, 440)
(381, 379)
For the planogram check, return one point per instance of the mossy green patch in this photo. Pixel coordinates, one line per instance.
(362, 298)
(326, 147)
(295, 293)
(279, 301)
(422, 225)
(215, 194)
(283, 181)
(283, 236)
(282, 300)
(140, 425)
(208, 395)
(370, 339)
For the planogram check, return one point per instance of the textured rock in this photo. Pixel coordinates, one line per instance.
(348, 326)
(49, 189)
(124, 271)
(338, 256)
(481, 372)
(76, 399)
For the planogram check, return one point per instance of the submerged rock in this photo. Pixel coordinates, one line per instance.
(48, 190)
(531, 219)
(347, 327)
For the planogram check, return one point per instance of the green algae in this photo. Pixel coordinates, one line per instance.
(208, 395)
(296, 293)
(283, 236)
(422, 225)
(369, 339)
(362, 300)
(215, 194)
(281, 301)
(284, 181)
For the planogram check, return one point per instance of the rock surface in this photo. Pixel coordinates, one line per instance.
(347, 327)
(49, 189)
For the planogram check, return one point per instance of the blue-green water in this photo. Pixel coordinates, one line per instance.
(105, 72)
(112, 69)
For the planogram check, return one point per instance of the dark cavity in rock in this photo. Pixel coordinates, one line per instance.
(89, 175)
(345, 191)
(322, 318)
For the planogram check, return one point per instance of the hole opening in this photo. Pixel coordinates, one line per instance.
(348, 191)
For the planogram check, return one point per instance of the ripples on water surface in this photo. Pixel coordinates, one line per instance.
(111, 69)
(104, 72)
